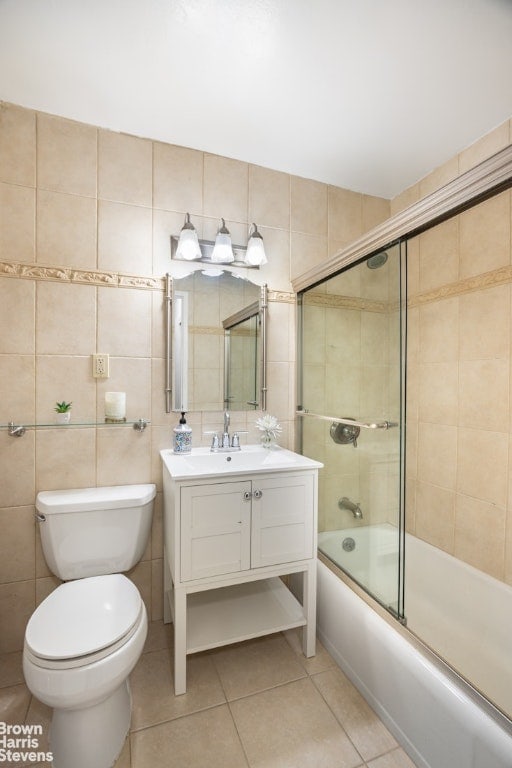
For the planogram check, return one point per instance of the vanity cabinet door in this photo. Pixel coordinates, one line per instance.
(282, 519)
(215, 529)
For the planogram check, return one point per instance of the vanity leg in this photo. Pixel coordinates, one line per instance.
(167, 591)
(180, 641)
(309, 605)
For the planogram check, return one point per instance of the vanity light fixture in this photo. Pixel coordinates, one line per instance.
(221, 251)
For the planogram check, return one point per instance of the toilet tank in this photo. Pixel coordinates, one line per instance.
(94, 531)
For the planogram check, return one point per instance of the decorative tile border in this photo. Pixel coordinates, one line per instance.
(105, 279)
(69, 275)
(330, 300)
(283, 297)
(206, 330)
(501, 276)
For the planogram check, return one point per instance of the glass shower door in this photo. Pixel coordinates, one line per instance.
(351, 397)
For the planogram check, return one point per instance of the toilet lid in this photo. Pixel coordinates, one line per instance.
(83, 616)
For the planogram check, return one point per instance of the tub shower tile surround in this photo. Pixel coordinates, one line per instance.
(289, 714)
(459, 386)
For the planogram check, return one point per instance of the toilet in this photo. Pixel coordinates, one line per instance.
(85, 638)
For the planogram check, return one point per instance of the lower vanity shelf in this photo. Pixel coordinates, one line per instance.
(241, 608)
(217, 617)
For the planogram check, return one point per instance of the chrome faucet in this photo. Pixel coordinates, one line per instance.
(352, 506)
(225, 434)
(226, 442)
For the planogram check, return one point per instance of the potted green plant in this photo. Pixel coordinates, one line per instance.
(63, 411)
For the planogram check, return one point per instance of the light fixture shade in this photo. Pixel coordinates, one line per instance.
(223, 249)
(188, 244)
(255, 249)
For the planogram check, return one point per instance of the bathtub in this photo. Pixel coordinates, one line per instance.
(372, 562)
(440, 720)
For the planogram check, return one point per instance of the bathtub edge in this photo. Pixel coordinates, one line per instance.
(407, 689)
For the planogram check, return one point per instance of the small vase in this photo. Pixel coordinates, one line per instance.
(63, 418)
(267, 441)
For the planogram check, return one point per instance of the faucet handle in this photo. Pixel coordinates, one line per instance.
(215, 440)
(235, 440)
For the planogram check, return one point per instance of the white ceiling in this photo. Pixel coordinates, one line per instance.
(369, 95)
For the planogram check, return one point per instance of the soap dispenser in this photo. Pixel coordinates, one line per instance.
(182, 438)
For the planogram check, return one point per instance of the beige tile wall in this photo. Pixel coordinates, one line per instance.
(80, 209)
(76, 197)
(459, 386)
(458, 372)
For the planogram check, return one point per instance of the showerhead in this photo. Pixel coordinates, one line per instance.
(377, 260)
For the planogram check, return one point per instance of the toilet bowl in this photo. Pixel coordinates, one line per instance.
(82, 668)
(85, 638)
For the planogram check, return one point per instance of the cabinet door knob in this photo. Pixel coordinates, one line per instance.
(258, 494)
(247, 495)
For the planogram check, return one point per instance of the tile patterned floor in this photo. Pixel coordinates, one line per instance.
(259, 704)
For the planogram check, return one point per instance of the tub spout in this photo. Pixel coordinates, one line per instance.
(352, 506)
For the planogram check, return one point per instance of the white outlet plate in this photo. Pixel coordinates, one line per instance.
(100, 366)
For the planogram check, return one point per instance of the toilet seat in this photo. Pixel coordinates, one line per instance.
(83, 621)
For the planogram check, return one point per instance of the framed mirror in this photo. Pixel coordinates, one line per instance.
(216, 342)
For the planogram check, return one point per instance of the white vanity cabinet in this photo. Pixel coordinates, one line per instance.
(237, 525)
(228, 538)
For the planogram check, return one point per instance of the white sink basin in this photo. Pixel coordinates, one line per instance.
(251, 458)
